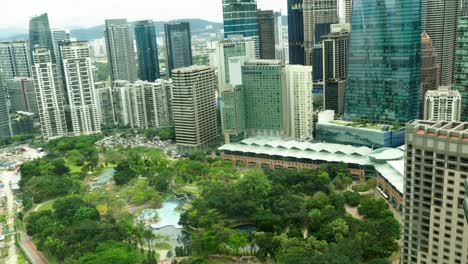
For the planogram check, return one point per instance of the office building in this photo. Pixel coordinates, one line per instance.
(435, 228)
(443, 104)
(230, 54)
(194, 107)
(296, 32)
(278, 28)
(429, 68)
(233, 114)
(120, 50)
(461, 65)
(384, 67)
(49, 94)
(264, 95)
(58, 36)
(335, 48)
(22, 95)
(317, 64)
(104, 104)
(78, 75)
(178, 46)
(240, 19)
(40, 34)
(298, 80)
(439, 21)
(335, 52)
(147, 50)
(334, 95)
(318, 17)
(348, 10)
(266, 32)
(5, 125)
(15, 60)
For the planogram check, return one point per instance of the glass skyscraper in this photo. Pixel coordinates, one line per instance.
(384, 69)
(296, 32)
(40, 34)
(240, 19)
(147, 50)
(178, 46)
(461, 65)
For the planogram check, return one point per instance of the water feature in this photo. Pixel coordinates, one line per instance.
(103, 178)
(168, 215)
(168, 225)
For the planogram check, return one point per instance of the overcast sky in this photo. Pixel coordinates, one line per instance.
(86, 13)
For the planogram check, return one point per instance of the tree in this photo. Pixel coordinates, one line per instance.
(124, 173)
(112, 252)
(237, 240)
(374, 208)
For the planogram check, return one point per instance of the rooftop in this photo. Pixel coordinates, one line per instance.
(364, 125)
(388, 162)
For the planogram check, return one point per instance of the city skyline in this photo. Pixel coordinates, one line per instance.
(83, 16)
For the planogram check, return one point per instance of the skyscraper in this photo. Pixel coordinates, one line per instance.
(299, 101)
(296, 32)
(278, 28)
(461, 65)
(40, 34)
(335, 48)
(104, 104)
(147, 50)
(240, 19)
(120, 50)
(229, 53)
(439, 21)
(178, 46)
(429, 68)
(141, 104)
(194, 107)
(78, 74)
(384, 68)
(22, 95)
(443, 104)
(436, 167)
(348, 10)
(318, 16)
(58, 36)
(5, 124)
(264, 97)
(49, 94)
(15, 60)
(266, 31)
(232, 54)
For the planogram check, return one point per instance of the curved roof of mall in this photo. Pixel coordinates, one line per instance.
(389, 162)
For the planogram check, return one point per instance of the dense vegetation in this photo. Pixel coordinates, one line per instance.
(299, 215)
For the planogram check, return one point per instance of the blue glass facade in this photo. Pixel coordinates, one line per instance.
(240, 18)
(296, 32)
(178, 46)
(384, 69)
(40, 34)
(147, 50)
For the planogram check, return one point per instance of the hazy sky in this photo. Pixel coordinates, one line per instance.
(84, 13)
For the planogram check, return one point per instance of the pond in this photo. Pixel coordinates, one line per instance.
(168, 225)
(103, 178)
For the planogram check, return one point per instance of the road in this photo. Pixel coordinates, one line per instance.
(7, 177)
